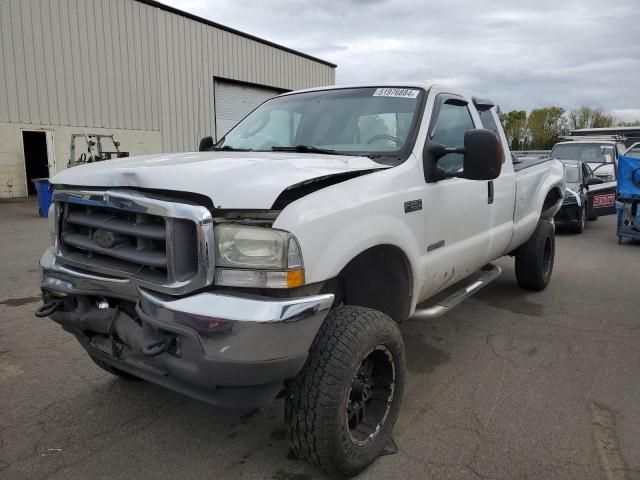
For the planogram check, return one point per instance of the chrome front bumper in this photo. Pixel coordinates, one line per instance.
(225, 340)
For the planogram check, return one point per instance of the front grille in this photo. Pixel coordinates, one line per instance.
(155, 242)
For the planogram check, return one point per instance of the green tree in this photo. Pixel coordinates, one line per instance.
(586, 117)
(633, 123)
(545, 126)
(514, 124)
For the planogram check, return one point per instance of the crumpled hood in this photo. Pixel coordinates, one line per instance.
(242, 180)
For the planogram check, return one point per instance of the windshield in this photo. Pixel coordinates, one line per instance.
(571, 174)
(589, 152)
(374, 122)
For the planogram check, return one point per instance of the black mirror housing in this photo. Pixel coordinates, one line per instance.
(483, 155)
(206, 144)
(594, 181)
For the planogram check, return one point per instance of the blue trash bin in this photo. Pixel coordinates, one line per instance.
(45, 192)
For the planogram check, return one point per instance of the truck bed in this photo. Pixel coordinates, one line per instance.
(526, 162)
(535, 177)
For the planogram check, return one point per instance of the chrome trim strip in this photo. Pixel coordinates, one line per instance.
(435, 246)
(235, 308)
(137, 202)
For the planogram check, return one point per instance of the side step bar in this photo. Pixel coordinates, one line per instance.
(490, 273)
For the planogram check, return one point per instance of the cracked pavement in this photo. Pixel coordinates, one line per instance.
(509, 385)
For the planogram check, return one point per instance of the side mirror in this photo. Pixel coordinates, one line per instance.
(594, 181)
(483, 155)
(206, 144)
(117, 144)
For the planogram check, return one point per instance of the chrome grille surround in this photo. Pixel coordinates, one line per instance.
(169, 216)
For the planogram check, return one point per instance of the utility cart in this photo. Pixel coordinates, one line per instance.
(93, 147)
(628, 198)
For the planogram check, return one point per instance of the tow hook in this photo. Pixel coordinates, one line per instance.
(156, 348)
(48, 308)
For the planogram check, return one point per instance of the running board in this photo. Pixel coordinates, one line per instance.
(490, 273)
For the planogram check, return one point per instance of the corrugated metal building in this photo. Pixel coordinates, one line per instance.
(157, 78)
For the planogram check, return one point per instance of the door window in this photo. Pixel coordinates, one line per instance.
(454, 119)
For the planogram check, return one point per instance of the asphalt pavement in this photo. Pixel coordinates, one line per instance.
(509, 385)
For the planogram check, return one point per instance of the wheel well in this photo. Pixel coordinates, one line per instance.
(378, 278)
(551, 200)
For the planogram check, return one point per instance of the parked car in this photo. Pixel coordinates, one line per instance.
(601, 155)
(279, 261)
(577, 205)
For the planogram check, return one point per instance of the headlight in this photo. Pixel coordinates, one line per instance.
(257, 257)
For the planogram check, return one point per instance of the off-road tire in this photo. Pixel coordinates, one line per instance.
(114, 371)
(316, 403)
(534, 259)
(582, 220)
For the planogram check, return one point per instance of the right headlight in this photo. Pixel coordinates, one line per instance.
(248, 256)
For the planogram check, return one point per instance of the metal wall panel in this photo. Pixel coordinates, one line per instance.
(127, 64)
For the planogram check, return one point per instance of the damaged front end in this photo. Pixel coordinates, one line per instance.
(132, 278)
(224, 349)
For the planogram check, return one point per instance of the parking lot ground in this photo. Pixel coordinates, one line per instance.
(509, 385)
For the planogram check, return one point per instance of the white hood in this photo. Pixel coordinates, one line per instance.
(242, 180)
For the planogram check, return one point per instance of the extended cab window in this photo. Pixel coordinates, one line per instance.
(454, 119)
(486, 117)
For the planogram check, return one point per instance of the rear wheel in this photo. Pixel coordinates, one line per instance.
(343, 405)
(534, 259)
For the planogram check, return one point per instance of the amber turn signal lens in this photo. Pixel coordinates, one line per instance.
(295, 278)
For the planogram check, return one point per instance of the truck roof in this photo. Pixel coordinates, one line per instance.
(412, 84)
(595, 140)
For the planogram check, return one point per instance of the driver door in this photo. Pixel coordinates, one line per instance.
(457, 210)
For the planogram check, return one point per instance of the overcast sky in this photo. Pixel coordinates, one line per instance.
(522, 54)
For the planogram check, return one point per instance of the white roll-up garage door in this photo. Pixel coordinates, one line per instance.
(235, 100)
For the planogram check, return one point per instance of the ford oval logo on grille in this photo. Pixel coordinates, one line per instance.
(104, 238)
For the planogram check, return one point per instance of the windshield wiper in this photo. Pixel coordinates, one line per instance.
(304, 149)
(229, 148)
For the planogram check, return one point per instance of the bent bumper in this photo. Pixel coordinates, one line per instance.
(230, 349)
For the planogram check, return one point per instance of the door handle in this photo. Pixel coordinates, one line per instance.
(490, 192)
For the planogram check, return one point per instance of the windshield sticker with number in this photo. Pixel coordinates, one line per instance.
(396, 92)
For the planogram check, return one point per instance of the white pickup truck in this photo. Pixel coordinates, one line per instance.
(278, 261)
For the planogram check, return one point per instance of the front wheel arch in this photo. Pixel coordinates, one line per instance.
(552, 203)
(379, 278)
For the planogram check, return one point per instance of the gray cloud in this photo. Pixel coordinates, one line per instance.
(522, 54)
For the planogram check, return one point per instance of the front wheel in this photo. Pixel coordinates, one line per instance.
(582, 220)
(342, 407)
(534, 259)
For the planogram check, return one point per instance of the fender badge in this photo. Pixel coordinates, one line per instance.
(412, 206)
